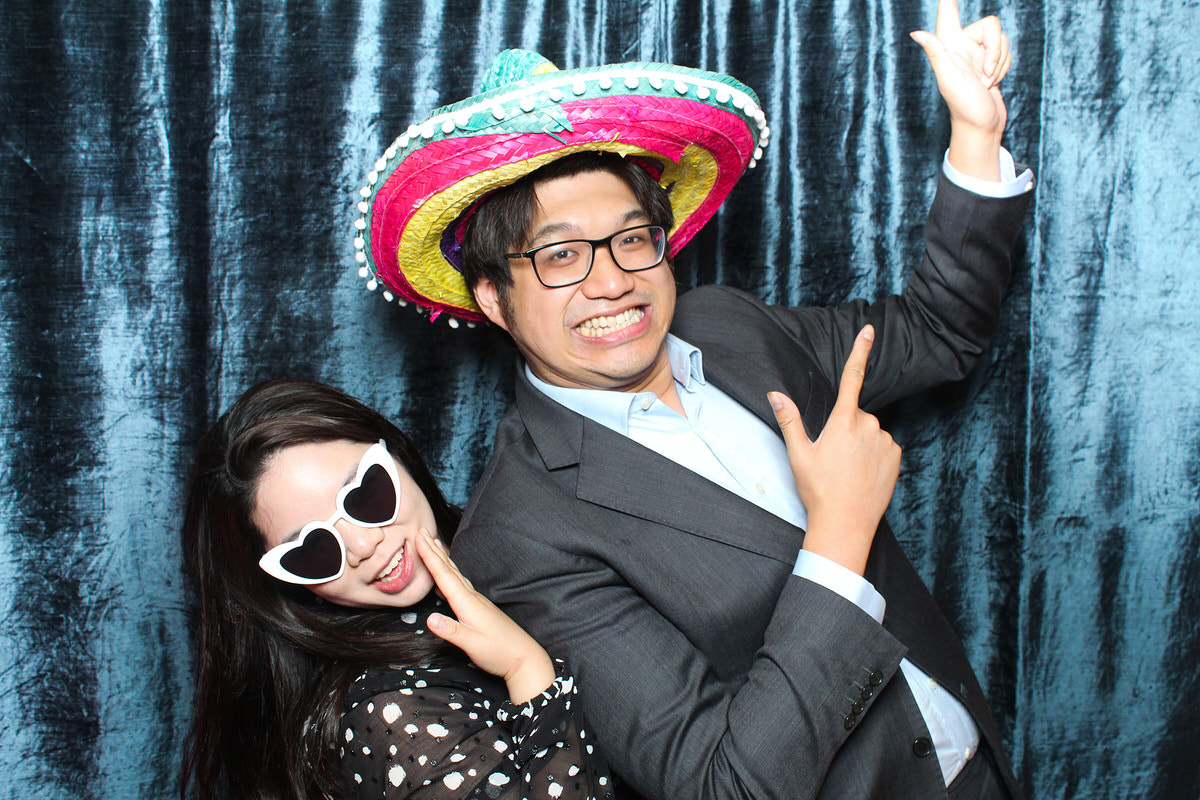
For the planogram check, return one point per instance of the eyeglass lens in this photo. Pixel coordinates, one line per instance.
(564, 263)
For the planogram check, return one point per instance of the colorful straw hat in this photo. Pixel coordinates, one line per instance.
(703, 129)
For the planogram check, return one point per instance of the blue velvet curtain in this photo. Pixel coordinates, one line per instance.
(178, 187)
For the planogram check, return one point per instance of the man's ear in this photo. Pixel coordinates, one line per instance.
(488, 299)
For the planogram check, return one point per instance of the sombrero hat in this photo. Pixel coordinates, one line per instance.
(703, 130)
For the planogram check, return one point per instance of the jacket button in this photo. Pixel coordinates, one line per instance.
(856, 707)
(848, 722)
(876, 678)
(922, 747)
(866, 693)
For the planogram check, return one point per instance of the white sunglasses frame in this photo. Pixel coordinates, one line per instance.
(376, 455)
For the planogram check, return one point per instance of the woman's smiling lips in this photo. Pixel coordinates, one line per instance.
(396, 574)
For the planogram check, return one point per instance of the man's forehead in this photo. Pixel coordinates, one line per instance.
(564, 204)
(571, 227)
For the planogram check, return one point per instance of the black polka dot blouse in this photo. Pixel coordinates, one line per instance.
(451, 732)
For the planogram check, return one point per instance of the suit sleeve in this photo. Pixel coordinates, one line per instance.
(934, 331)
(667, 722)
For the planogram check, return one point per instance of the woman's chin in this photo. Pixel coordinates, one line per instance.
(401, 594)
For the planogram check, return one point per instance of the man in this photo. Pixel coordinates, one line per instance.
(742, 622)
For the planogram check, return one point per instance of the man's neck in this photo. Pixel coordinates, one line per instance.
(659, 380)
(668, 394)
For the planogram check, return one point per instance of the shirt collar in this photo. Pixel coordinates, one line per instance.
(612, 409)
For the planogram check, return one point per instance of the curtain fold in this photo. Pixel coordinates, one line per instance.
(179, 186)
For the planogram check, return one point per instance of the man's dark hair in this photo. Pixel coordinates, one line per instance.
(501, 222)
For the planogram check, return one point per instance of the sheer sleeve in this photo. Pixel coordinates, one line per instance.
(451, 734)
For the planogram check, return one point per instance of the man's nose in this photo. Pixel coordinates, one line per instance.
(360, 542)
(606, 279)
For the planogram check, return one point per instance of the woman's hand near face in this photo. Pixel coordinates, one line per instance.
(490, 639)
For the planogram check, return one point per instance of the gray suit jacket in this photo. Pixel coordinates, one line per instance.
(706, 668)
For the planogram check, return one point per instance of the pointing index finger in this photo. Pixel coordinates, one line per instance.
(856, 369)
(948, 21)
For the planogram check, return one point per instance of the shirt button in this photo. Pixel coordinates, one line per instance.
(922, 747)
(932, 685)
(647, 401)
(760, 488)
(967, 754)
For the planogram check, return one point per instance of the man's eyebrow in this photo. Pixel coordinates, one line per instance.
(568, 229)
(635, 213)
(564, 228)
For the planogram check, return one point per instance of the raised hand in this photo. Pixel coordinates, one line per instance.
(486, 634)
(969, 64)
(846, 477)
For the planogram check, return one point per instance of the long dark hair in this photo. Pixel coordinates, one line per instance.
(273, 661)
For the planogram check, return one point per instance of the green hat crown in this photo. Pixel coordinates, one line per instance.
(512, 66)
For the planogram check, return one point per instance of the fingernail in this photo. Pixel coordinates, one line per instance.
(775, 400)
(436, 622)
(869, 333)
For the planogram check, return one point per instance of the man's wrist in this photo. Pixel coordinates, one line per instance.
(1010, 184)
(975, 153)
(836, 578)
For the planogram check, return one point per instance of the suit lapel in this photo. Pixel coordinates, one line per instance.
(616, 472)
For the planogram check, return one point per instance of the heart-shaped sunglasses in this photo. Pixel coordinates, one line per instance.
(318, 554)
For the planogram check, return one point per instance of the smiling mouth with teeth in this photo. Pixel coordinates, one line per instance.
(603, 326)
(394, 566)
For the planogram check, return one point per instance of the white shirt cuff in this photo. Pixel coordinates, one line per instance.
(1010, 184)
(838, 579)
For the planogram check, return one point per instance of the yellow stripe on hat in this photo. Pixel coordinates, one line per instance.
(693, 178)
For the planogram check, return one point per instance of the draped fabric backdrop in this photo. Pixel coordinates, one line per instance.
(179, 182)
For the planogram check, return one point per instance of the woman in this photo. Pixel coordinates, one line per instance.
(326, 666)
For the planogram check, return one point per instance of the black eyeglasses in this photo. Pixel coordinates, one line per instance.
(564, 263)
